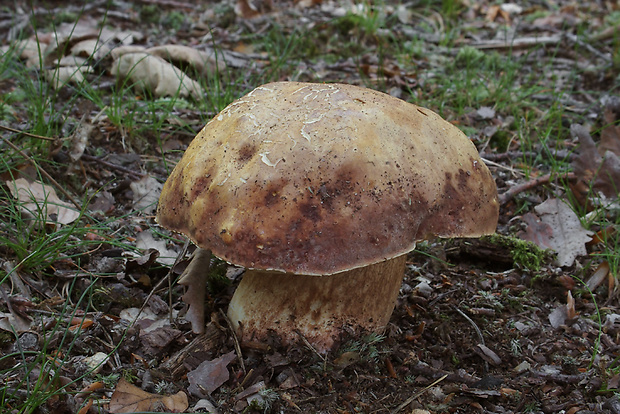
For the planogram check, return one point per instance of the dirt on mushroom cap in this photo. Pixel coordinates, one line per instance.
(321, 178)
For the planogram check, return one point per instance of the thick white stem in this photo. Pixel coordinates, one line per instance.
(318, 307)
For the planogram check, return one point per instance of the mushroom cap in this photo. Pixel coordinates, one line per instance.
(317, 179)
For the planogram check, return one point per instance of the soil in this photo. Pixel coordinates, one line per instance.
(474, 330)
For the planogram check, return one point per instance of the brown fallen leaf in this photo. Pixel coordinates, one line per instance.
(599, 172)
(610, 134)
(203, 62)
(63, 75)
(487, 354)
(40, 200)
(145, 194)
(156, 340)
(601, 273)
(128, 398)
(209, 375)
(13, 322)
(558, 228)
(193, 277)
(156, 75)
(249, 9)
(570, 306)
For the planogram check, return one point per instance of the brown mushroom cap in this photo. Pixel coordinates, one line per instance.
(317, 179)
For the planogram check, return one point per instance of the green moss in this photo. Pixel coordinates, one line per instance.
(217, 280)
(174, 20)
(469, 56)
(150, 14)
(525, 254)
(6, 338)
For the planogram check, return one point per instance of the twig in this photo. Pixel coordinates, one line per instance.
(28, 134)
(511, 155)
(574, 39)
(426, 370)
(111, 165)
(309, 345)
(43, 172)
(417, 394)
(235, 339)
(562, 378)
(608, 33)
(170, 3)
(544, 179)
(517, 43)
(478, 332)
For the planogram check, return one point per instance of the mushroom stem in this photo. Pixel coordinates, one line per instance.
(316, 307)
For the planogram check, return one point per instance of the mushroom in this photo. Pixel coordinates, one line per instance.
(320, 191)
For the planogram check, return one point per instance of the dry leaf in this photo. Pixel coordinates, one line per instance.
(537, 231)
(194, 277)
(117, 52)
(559, 229)
(28, 50)
(563, 313)
(38, 199)
(95, 362)
(203, 62)
(592, 169)
(610, 135)
(90, 48)
(79, 139)
(612, 323)
(146, 320)
(156, 340)
(487, 354)
(557, 317)
(104, 202)
(209, 375)
(146, 241)
(156, 75)
(598, 276)
(63, 75)
(486, 112)
(346, 359)
(249, 9)
(128, 398)
(570, 306)
(145, 194)
(10, 322)
(205, 406)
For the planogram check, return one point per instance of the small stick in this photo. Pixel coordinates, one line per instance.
(478, 331)
(28, 134)
(417, 394)
(235, 339)
(517, 43)
(309, 345)
(590, 48)
(111, 165)
(519, 188)
(510, 155)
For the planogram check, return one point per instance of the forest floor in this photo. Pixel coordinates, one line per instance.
(90, 317)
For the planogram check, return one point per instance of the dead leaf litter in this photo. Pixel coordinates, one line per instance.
(523, 324)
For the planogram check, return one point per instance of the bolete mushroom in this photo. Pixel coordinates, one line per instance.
(320, 191)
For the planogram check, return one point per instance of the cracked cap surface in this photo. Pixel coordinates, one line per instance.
(317, 179)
